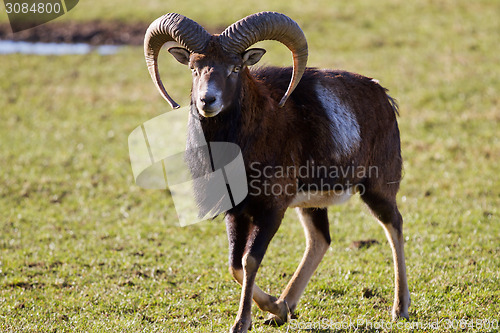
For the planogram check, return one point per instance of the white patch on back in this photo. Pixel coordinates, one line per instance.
(343, 124)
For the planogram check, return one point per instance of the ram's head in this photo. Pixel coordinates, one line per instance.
(218, 61)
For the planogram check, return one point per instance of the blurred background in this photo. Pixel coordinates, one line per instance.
(84, 249)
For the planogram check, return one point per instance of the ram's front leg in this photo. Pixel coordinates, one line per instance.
(238, 231)
(260, 233)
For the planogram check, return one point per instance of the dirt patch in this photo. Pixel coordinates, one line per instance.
(92, 32)
(363, 244)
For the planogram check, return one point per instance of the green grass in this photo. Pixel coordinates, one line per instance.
(84, 249)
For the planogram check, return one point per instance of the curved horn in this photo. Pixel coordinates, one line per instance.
(269, 26)
(171, 27)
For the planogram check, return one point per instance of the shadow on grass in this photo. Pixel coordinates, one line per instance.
(361, 330)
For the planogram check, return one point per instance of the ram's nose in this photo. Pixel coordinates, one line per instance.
(208, 101)
(209, 105)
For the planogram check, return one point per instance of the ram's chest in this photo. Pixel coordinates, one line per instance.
(321, 198)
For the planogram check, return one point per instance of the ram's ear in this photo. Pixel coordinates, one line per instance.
(180, 54)
(252, 56)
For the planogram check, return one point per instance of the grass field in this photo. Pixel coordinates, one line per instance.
(84, 249)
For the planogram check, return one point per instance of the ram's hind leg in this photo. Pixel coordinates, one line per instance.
(386, 210)
(316, 229)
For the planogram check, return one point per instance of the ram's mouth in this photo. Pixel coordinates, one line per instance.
(208, 114)
(208, 111)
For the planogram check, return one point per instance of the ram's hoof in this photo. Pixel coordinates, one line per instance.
(274, 321)
(397, 316)
(241, 327)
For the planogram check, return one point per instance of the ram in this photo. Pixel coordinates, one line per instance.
(309, 138)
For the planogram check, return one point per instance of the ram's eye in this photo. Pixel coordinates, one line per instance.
(194, 70)
(236, 69)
